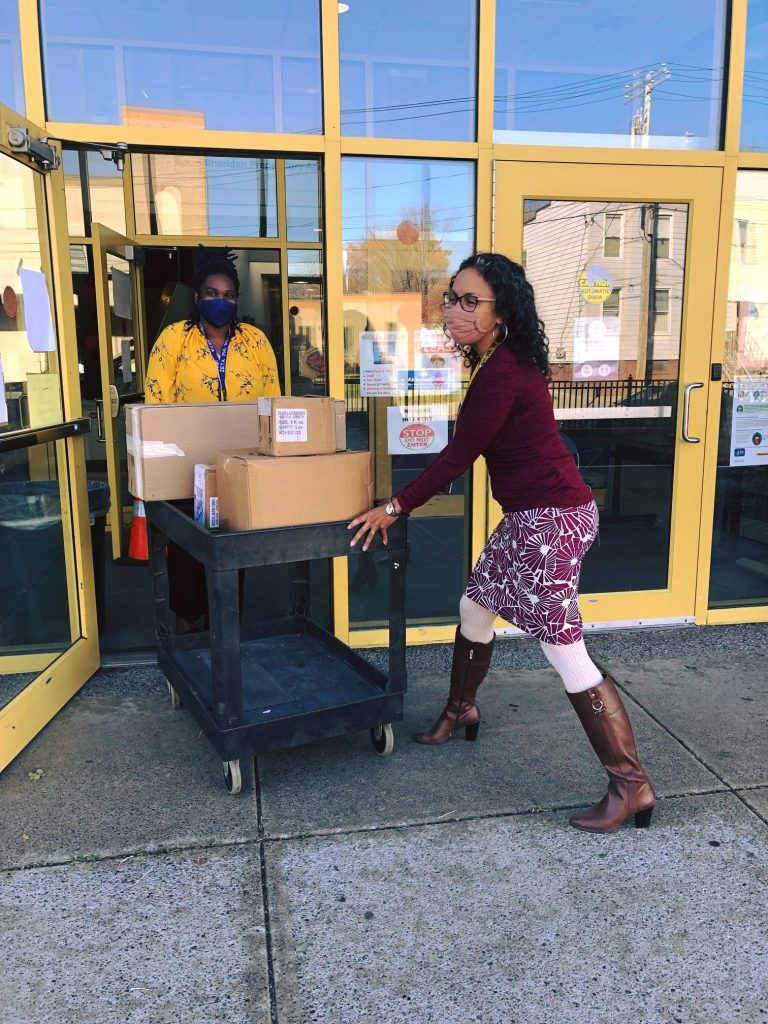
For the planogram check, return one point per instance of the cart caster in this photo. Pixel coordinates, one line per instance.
(233, 780)
(175, 698)
(383, 739)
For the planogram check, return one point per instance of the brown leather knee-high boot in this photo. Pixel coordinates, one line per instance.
(471, 661)
(609, 731)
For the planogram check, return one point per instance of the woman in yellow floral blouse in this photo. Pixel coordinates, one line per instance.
(212, 357)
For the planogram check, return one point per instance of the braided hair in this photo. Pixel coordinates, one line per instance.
(211, 263)
(515, 304)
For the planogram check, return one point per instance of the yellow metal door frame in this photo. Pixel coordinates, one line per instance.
(22, 718)
(701, 189)
(106, 241)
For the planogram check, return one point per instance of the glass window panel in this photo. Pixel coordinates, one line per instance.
(663, 238)
(27, 324)
(661, 311)
(305, 322)
(182, 194)
(105, 192)
(402, 84)
(253, 67)
(611, 306)
(39, 618)
(302, 200)
(608, 74)
(614, 378)
(406, 225)
(11, 80)
(74, 176)
(612, 241)
(739, 572)
(754, 123)
(93, 188)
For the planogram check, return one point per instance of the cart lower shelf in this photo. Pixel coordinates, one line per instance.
(298, 683)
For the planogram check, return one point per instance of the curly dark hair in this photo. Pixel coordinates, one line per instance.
(210, 263)
(515, 304)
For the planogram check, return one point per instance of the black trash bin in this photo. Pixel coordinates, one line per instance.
(98, 507)
(34, 606)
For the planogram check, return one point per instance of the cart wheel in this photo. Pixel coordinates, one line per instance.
(383, 739)
(232, 778)
(175, 698)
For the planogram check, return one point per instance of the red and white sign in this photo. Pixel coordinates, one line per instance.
(416, 430)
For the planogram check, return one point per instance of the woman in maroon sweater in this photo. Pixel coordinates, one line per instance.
(528, 572)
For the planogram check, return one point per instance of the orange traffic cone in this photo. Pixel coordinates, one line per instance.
(138, 543)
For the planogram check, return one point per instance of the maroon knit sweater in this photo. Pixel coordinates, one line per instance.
(506, 416)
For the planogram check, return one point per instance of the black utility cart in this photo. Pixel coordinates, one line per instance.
(284, 682)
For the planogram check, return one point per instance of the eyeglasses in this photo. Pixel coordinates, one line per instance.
(467, 302)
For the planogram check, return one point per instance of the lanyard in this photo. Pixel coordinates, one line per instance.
(221, 364)
(484, 359)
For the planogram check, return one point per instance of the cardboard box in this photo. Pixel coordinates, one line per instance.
(206, 497)
(259, 492)
(166, 442)
(306, 425)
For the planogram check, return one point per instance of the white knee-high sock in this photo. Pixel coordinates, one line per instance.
(476, 621)
(573, 664)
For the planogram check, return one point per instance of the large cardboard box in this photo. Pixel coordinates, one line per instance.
(258, 491)
(300, 425)
(165, 442)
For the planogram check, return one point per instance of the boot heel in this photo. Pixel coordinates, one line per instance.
(470, 732)
(643, 818)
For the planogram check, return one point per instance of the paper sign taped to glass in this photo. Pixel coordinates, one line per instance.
(382, 355)
(37, 311)
(433, 351)
(416, 429)
(749, 424)
(596, 348)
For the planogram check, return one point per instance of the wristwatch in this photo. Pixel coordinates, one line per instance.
(390, 509)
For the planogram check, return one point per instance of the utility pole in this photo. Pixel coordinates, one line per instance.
(641, 87)
(649, 219)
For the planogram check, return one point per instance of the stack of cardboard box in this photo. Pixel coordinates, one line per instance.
(297, 472)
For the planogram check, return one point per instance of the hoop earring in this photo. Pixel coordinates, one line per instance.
(500, 341)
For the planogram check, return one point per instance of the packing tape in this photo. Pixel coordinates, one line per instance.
(152, 449)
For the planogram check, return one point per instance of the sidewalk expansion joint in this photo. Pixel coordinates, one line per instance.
(731, 789)
(265, 897)
(451, 819)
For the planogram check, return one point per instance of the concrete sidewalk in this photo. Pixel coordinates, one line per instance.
(436, 885)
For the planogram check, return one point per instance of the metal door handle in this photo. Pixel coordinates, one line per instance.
(686, 410)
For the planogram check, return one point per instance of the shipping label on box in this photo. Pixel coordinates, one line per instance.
(291, 425)
(206, 509)
(259, 492)
(297, 426)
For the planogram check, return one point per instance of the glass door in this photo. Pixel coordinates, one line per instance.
(122, 361)
(738, 580)
(620, 259)
(48, 629)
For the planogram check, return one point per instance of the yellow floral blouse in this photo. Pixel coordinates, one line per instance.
(182, 369)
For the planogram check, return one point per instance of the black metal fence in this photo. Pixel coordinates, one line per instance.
(566, 394)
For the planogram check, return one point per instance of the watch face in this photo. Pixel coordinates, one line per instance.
(389, 508)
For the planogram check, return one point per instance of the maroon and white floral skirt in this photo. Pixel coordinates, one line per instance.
(528, 572)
